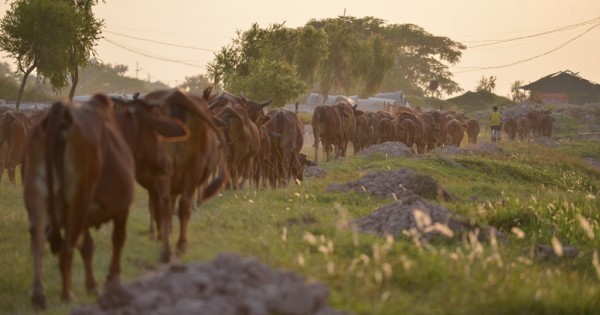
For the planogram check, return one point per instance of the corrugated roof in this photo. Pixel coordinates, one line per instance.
(563, 82)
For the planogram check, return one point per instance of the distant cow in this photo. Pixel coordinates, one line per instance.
(286, 147)
(455, 132)
(79, 172)
(327, 129)
(473, 130)
(13, 133)
(511, 129)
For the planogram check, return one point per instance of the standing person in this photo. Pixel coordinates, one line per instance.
(496, 124)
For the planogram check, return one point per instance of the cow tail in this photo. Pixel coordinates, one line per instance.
(53, 126)
(215, 186)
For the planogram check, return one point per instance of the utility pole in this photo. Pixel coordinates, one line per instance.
(137, 69)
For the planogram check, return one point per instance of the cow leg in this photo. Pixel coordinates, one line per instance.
(87, 252)
(317, 140)
(184, 218)
(11, 174)
(38, 240)
(1, 170)
(154, 218)
(65, 264)
(164, 216)
(118, 239)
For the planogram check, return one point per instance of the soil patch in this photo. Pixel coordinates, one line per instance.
(395, 149)
(314, 171)
(593, 162)
(414, 215)
(228, 285)
(546, 141)
(400, 183)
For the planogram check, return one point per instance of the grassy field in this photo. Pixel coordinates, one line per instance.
(534, 194)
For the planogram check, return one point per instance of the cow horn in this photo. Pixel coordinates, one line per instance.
(242, 96)
(266, 103)
(206, 92)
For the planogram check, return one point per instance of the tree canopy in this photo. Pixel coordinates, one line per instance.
(53, 36)
(341, 55)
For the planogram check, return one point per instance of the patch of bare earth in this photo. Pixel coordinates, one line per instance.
(411, 213)
(398, 183)
(314, 171)
(395, 149)
(593, 162)
(416, 216)
(228, 285)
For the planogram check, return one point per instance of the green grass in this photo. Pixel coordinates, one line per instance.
(544, 192)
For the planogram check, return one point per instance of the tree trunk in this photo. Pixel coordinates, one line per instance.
(74, 81)
(22, 88)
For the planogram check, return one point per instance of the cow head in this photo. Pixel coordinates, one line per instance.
(145, 127)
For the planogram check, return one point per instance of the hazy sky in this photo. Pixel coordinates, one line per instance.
(204, 27)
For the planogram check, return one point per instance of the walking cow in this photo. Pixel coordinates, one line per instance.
(78, 172)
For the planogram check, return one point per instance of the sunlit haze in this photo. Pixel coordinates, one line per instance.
(148, 35)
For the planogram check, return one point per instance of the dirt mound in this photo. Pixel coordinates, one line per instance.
(314, 171)
(396, 149)
(416, 214)
(593, 162)
(400, 183)
(227, 285)
(546, 141)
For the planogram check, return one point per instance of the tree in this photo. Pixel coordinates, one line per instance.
(517, 94)
(52, 36)
(196, 83)
(487, 84)
(275, 80)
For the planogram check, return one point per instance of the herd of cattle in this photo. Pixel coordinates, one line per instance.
(80, 161)
(336, 126)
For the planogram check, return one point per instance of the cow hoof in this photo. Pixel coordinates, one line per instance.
(38, 300)
(67, 297)
(181, 247)
(93, 291)
(165, 257)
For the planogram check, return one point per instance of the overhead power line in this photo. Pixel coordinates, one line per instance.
(564, 28)
(531, 58)
(159, 42)
(150, 56)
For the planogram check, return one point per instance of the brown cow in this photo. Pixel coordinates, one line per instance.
(327, 129)
(523, 128)
(511, 129)
(194, 163)
(473, 130)
(455, 132)
(348, 115)
(13, 133)
(286, 147)
(78, 172)
(243, 142)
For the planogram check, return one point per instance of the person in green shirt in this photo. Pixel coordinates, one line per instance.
(496, 124)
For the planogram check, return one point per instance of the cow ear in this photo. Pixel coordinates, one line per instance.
(170, 129)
